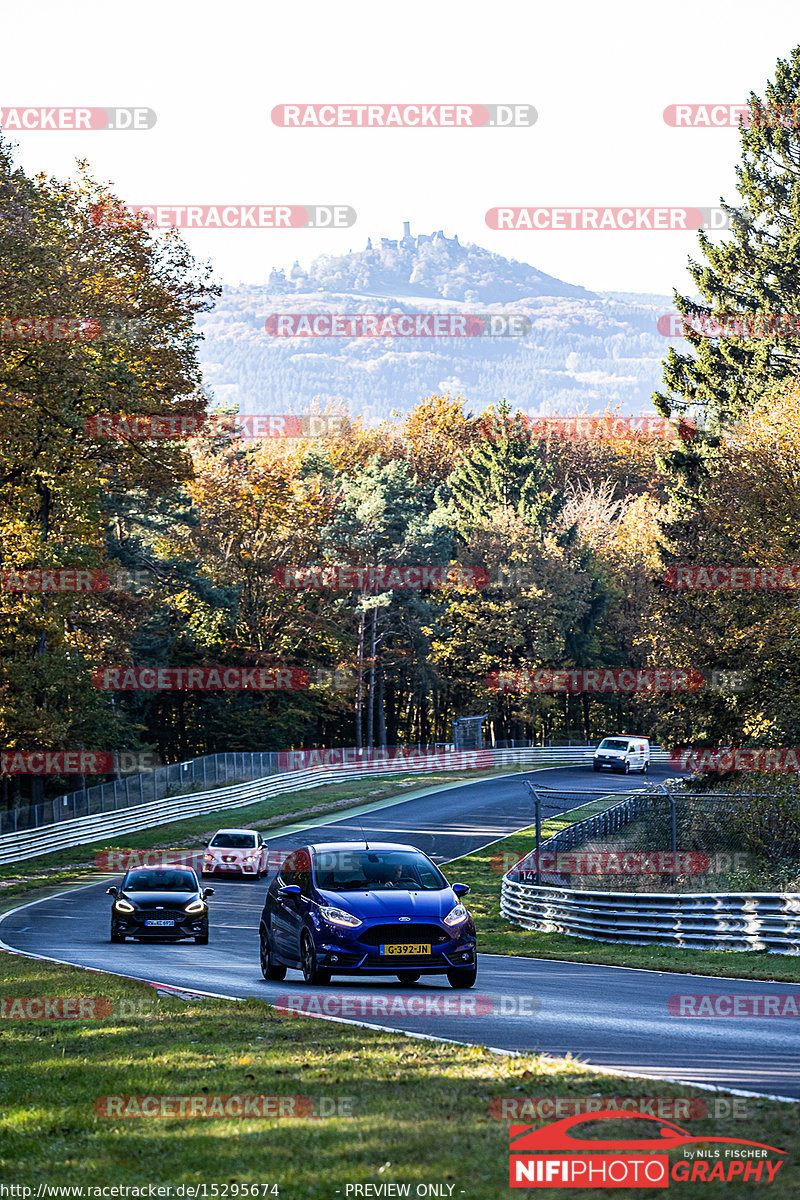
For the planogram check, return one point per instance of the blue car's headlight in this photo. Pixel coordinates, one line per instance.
(338, 916)
(122, 905)
(456, 916)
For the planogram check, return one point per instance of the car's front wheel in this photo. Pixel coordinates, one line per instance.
(116, 937)
(595, 766)
(201, 939)
(408, 976)
(462, 978)
(627, 767)
(269, 968)
(308, 960)
(645, 768)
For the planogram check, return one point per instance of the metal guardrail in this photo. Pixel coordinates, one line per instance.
(132, 790)
(697, 920)
(694, 920)
(15, 847)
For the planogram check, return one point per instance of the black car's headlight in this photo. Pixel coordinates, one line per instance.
(456, 916)
(195, 906)
(338, 916)
(125, 906)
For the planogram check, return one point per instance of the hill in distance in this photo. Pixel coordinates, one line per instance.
(582, 351)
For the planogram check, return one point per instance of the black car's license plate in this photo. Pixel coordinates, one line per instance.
(170, 923)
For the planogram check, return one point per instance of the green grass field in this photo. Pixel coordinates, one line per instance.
(384, 1108)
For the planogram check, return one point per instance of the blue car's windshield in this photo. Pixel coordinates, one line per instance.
(376, 870)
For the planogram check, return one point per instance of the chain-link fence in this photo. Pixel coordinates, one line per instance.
(668, 839)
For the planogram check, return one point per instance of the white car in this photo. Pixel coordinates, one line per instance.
(235, 852)
(624, 752)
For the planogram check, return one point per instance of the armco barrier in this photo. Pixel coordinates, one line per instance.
(698, 920)
(694, 920)
(81, 831)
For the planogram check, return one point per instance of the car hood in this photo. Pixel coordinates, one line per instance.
(392, 903)
(231, 850)
(151, 899)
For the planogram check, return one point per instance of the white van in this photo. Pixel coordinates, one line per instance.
(623, 752)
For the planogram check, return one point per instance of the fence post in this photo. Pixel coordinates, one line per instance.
(538, 832)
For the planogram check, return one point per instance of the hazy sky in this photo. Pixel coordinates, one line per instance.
(600, 77)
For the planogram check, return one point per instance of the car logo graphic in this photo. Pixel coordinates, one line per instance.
(404, 918)
(555, 1137)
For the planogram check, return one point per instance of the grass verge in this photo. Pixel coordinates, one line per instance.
(496, 935)
(402, 1111)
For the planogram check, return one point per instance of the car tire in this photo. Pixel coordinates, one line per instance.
(116, 937)
(627, 767)
(595, 766)
(408, 976)
(201, 939)
(308, 960)
(269, 968)
(645, 768)
(462, 978)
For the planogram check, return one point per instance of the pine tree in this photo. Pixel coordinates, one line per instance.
(505, 471)
(754, 271)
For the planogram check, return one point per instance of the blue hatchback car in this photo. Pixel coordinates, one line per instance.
(343, 908)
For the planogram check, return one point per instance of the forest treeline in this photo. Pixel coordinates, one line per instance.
(576, 537)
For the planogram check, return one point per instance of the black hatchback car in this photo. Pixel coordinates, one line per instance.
(157, 904)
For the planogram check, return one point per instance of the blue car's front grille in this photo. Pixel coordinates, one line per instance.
(402, 933)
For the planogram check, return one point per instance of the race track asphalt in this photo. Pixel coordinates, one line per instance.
(611, 1017)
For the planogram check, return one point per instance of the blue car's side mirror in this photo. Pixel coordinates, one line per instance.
(289, 889)
(206, 892)
(112, 891)
(461, 889)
